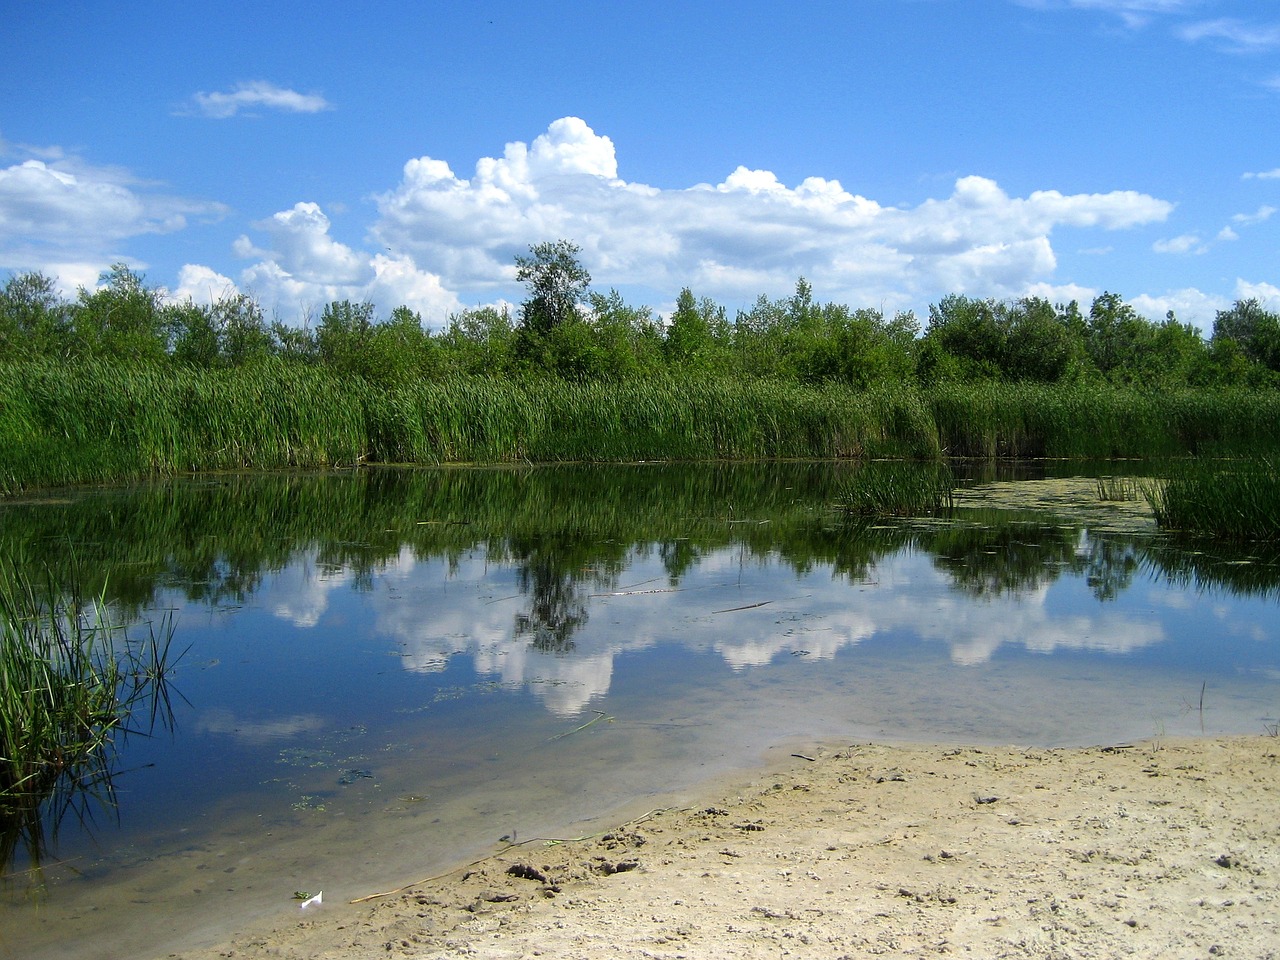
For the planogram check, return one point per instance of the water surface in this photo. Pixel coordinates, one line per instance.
(387, 672)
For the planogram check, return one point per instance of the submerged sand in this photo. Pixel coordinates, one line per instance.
(1165, 848)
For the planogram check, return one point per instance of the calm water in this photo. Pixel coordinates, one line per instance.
(387, 672)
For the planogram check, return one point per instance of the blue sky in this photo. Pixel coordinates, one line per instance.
(890, 151)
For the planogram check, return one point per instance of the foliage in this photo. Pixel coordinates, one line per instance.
(71, 685)
(886, 489)
(1236, 500)
(557, 283)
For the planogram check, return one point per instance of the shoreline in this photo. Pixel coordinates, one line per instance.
(1160, 848)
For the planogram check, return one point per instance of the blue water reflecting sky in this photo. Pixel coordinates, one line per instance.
(344, 681)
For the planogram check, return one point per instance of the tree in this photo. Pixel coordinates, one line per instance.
(399, 350)
(33, 318)
(242, 331)
(1256, 330)
(698, 335)
(557, 284)
(192, 333)
(122, 319)
(478, 341)
(344, 334)
(1117, 336)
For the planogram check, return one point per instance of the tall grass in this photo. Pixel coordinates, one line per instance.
(1227, 500)
(66, 424)
(1099, 421)
(882, 489)
(71, 684)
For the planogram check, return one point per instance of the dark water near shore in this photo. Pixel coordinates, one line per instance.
(386, 672)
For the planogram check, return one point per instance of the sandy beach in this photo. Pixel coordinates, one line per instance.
(1165, 848)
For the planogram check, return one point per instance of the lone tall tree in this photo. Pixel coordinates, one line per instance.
(557, 283)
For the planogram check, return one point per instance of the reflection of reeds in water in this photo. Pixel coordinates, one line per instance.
(882, 489)
(1229, 500)
(71, 684)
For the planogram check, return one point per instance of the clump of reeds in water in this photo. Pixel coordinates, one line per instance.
(1119, 489)
(897, 489)
(1229, 500)
(71, 685)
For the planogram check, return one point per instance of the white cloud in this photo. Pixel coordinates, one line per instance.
(68, 218)
(72, 203)
(1258, 216)
(302, 243)
(258, 93)
(1226, 234)
(202, 285)
(1264, 175)
(1187, 303)
(305, 267)
(1266, 293)
(1186, 243)
(733, 240)
(1234, 35)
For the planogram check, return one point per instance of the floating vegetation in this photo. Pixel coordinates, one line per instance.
(72, 686)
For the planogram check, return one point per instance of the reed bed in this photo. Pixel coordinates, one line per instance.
(71, 684)
(1226, 500)
(68, 424)
(885, 489)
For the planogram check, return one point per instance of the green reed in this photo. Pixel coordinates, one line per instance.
(885, 489)
(1099, 421)
(1227, 500)
(71, 685)
(91, 421)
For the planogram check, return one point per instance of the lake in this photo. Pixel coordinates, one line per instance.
(387, 672)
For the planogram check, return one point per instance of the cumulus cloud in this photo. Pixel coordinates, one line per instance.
(68, 202)
(1263, 175)
(257, 93)
(202, 285)
(748, 234)
(68, 218)
(303, 266)
(1188, 302)
(1267, 293)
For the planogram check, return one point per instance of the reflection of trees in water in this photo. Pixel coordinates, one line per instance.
(558, 574)
(216, 539)
(993, 560)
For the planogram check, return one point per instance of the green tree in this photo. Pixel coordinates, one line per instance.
(122, 319)
(400, 350)
(1040, 342)
(344, 335)
(698, 336)
(243, 335)
(629, 338)
(479, 341)
(1255, 330)
(34, 320)
(1116, 337)
(192, 333)
(557, 284)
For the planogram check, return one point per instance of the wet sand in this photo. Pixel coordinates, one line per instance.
(1165, 848)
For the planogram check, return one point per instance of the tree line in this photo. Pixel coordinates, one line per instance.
(565, 328)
